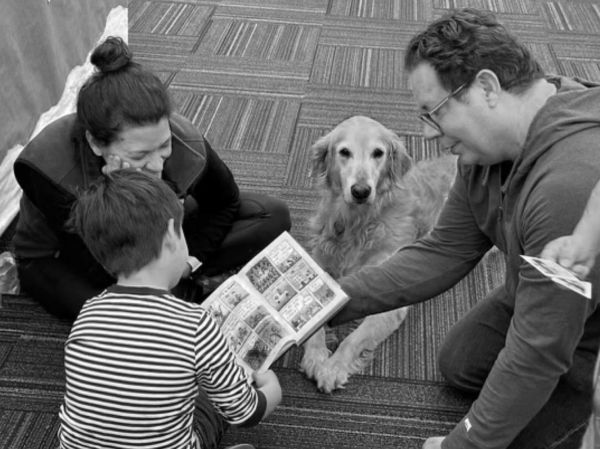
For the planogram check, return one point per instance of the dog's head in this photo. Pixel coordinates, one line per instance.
(360, 158)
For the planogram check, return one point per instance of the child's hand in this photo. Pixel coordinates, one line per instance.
(262, 379)
(571, 252)
(268, 384)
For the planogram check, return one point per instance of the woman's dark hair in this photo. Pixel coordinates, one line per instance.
(120, 93)
(123, 219)
(461, 43)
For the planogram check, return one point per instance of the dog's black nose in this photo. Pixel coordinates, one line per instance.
(360, 192)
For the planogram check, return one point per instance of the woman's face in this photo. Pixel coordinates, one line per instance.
(139, 147)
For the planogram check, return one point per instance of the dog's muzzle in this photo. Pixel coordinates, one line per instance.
(360, 192)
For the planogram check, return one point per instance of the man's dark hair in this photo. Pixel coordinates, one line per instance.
(121, 93)
(123, 219)
(461, 43)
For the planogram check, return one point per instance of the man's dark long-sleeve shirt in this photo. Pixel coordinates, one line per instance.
(540, 199)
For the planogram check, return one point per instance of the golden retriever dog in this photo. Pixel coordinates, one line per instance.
(374, 201)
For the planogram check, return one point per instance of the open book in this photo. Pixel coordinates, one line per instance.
(279, 299)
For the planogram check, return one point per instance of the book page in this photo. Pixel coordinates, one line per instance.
(294, 286)
(253, 334)
(278, 299)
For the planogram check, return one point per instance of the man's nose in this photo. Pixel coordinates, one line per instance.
(430, 133)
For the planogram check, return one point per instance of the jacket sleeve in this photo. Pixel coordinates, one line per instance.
(218, 199)
(422, 270)
(547, 325)
(44, 210)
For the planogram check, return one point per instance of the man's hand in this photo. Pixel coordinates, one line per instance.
(114, 163)
(434, 443)
(571, 252)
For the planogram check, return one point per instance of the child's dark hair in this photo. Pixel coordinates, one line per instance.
(123, 219)
(120, 93)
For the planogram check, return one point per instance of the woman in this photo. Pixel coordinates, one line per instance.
(124, 119)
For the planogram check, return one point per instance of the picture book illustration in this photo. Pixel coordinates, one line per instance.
(277, 300)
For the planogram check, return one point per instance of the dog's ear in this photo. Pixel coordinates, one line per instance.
(320, 158)
(400, 161)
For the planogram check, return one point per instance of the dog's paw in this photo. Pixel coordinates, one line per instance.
(332, 375)
(311, 361)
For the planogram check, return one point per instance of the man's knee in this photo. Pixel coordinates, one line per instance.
(466, 362)
(456, 368)
(472, 345)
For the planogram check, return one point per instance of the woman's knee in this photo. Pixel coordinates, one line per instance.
(281, 214)
(270, 213)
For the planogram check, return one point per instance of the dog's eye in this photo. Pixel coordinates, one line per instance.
(378, 153)
(344, 152)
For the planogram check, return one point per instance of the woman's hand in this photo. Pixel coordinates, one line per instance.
(113, 163)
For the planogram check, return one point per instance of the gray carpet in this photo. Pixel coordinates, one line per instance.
(263, 79)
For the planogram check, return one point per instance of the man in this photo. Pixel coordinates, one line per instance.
(527, 147)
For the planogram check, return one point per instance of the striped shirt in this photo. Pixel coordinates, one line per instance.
(134, 361)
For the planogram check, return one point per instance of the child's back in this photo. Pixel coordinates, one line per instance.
(133, 362)
(145, 369)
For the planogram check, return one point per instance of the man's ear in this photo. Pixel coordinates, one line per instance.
(97, 149)
(491, 86)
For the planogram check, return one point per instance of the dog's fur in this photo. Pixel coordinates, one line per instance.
(375, 200)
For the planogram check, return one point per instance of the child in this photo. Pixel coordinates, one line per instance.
(145, 369)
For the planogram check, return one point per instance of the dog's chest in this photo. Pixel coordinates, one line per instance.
(346, 249)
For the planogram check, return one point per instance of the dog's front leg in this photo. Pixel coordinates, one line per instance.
(315, 353)
(357, 349)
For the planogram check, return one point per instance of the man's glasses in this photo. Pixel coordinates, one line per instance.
(427, 116)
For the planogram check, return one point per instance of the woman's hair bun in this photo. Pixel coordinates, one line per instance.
(111, 55)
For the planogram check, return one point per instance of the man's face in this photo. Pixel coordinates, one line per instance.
(466, 126)
(141, 147)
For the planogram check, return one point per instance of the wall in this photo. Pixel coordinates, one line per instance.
(40, 42)
(44, 58)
